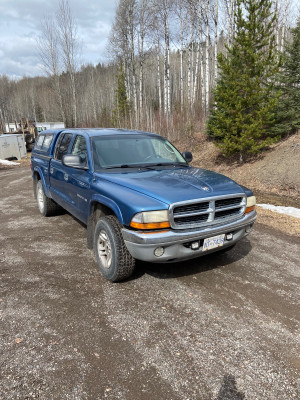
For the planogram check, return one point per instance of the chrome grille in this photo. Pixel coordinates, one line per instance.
(191, 208)
(208, 211)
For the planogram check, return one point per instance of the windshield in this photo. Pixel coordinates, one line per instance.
(133, 151)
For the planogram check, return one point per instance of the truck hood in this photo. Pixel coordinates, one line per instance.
(174, 185)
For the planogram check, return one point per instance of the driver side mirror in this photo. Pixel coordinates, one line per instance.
(74, 161)
(188, 156)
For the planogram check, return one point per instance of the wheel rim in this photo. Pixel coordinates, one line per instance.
(104, 249)
(40, 198)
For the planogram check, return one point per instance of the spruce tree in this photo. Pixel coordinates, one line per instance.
(121, 106)
(287, 113)
(244, 98)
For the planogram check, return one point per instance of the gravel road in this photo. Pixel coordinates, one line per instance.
(223, 327)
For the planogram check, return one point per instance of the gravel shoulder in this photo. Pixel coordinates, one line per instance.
(215, 328)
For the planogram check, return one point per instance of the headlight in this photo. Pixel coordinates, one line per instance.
(151, 220)
(251, 202)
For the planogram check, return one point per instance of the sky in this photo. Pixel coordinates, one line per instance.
(21, 23)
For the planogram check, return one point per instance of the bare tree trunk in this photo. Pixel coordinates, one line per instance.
(167, 98)
(192, 69)
(60, 100)
(132, 59)
(277, 26)
(189, 77)
(231, 18)
(94, 108)
(216, 43)
(206, 57)
(141, 79)
(200, 53)
(202, 83)
(181, 55)
(196, 74)
(127, 80)
(181, 79)
(144, 19)
(67, 31)
(47, 45)
(158, 79)
(285, 6)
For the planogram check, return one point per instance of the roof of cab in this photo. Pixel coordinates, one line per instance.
(99, 131)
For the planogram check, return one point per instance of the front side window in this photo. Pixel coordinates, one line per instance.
(79, 148)
(63, 145)
(133, 150)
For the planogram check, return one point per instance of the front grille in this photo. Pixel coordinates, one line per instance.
(226, 213)
(192, 219)
(227, 202)
(191, 208)
(209, 211)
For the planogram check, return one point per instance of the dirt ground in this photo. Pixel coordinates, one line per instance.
(221, 327)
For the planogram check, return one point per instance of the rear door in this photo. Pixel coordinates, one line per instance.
(80, 179)
(40, 156)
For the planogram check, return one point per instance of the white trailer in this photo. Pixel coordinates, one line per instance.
(12, 147)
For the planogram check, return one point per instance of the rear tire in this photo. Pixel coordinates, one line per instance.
(114, 260)
(46, 206)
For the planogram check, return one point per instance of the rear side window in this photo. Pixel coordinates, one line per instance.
(47, 142)
(63, 145)
(39, 142)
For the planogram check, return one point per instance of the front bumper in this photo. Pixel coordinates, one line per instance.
(176, 244)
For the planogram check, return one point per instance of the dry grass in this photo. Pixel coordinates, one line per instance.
(284, 223)
(274, 171)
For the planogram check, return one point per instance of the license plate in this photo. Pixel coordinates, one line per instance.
(213, 242)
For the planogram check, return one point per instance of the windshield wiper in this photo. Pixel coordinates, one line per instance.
(121, 166)
(175, 164)
(148, 166)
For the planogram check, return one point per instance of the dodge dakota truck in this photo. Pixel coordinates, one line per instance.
(138, 196)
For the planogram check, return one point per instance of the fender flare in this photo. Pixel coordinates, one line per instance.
(98, 198)
(40, 172)
(91, 222)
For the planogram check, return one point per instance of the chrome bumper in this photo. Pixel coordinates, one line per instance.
(176, 243)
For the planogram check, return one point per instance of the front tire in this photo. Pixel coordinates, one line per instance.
(46, 206)
(114, 260)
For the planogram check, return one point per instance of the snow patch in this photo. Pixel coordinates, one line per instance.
(6, 162)
(292, 211)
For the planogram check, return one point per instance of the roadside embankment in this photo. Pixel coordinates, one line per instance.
(274, 175)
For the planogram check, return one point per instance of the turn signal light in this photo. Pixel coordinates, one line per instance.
(152, 225)
(249, 209)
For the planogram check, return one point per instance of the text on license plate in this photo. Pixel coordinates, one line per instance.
(213, 242)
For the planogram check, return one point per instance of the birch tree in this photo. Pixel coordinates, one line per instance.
(49, 55)
(67, 34)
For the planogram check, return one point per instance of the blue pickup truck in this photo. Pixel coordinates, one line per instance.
(138, 196)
